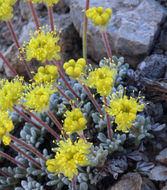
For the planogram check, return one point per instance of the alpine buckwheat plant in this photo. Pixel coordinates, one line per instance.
(75, 118)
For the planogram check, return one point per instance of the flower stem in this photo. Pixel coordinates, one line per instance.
(6, 62)
(34, 14)
(42, 123)
(30, 148)
(92, 99)
(51, 18)
(84, 41)
(66, 97)
(5, 174)
(26, 118)
(20, 51)
(104, 35)
(12, 159)
(108, 120)
(27, 156)
(73, 183)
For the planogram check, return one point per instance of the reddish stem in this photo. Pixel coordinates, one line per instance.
(30, 148)
(5, 174)
(34, 15)
(104, 35)
(108, 120)
(20, 51)
(12, 159)
(92, 99)
(27, 156)
(41, 122)
(51, 18)
(26, 118)
(6, 62)
(73, 183)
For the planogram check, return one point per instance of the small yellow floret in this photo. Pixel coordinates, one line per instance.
(75, 69)
(102, 79)
(98, 16)
(6, 126)
(6, 9)
(49, 3)
(43, 46)
(74, 122)
(69, 157)
(124, 110)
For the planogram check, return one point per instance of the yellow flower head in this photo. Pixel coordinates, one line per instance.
(74, 122)
(49, 3)
(6, 9)
(68, 157)
(124, 109)
(10, 92)
(75, 69)
(43, 46)
(98, 16)
(47, 74)
(102, 79)
(37, 98)
(6, 125)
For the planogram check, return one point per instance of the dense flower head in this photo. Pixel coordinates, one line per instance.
(75, 69)
(124, 109)
(6, 9)
(74, 122)
(47, 74)
(102, 79)
(49, 3)
(98, 16)
(6, 125)
(10, 92)
(68, 157)
(42, 46)
(37, 97)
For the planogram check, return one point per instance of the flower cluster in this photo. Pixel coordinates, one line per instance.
(124, 110)
(49, 3)
(43, 46)
(6, 125)
(74, 122)
(6, 9)
(46, 74)
(68, 157)
(37, 98)
(98, 16)
(75, 69)
(10, 92)
(102, 79)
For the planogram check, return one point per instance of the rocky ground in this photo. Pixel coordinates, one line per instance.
(138, 31)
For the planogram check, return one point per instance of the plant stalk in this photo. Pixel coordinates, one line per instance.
(51, 18)
(5, 174)
(73, 183)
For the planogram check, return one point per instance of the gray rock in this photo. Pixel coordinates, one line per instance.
(163, 40)
(162, 157)
(158, 173)
(147, 184)
(132, 29)
(164, 188)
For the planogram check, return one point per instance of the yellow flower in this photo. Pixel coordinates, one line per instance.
(6, 9)
(37, 98)
(6, 125)
(98, 16)
(102, 79)
(75, 69)
(47, 74)
(68, 157)
(10, 92)
(42, 46)
(124, 109)
(49, 3)
(74, 122)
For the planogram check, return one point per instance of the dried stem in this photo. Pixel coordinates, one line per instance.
(108, 120)
(104, 35)
(6, 62)
(12, 159)
(30, 148)
(26, 118)
(73, 183)
(51, 18)
(42, 123)
(5, 174)
(20, 51)
(84, 41)
(23, 153)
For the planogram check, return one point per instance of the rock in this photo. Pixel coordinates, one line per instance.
(147, 184)
(131, 32)
(158, 173)
(163, 40)
(130, 181)
(162, 157)
(153, 67)
(164, 188)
